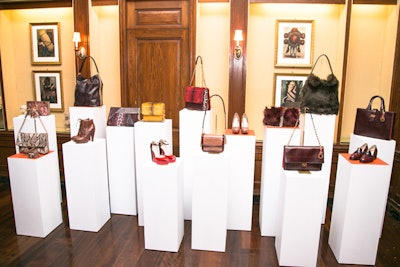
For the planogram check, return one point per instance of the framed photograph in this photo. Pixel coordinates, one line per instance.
(288, 88)
(47, 86)
(45, 42)
(294, 43)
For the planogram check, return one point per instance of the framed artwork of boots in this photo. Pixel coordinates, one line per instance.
(47, 86)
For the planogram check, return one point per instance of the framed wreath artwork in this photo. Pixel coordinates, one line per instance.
(45, 42)
(288, 88)
(294, 43)
(47, 86)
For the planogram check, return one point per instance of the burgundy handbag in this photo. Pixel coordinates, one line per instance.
(374, 123)
(120, 116)
(197, 98)
(281, 116)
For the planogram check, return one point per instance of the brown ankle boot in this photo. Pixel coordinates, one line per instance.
(86, 131)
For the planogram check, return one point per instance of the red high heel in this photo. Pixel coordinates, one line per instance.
(155, 156)
(163, 144)
(370, 155)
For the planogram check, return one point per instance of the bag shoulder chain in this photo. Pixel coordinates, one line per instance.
(34, 115)
(205, 111)
(206, 100)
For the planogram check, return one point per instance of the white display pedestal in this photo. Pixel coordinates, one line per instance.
(145, 133)
(163, 206)
(325, 125)
(274, 140)
(210, 201)
(121, 169)
(241, 151)
(97, 114)
(299, 221)
(190, 129)
(86, 184)
(35, 187)
(359, 204)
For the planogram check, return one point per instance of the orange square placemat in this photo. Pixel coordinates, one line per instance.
(24, 156)
(377, 161)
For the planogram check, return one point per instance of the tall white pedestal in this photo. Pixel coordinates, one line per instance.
(121, 169)
(359, 204)
(163, 206)
(190, 129)
(274, 140)
(86, 184)
(97, 114)
(299, 221)
(241, 150)
(210, 201)
(145, 133)
(35, 187)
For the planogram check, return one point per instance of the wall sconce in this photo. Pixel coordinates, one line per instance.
(79, 52)
(238, 50)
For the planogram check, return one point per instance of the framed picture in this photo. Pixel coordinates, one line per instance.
(45, 42)
(288, 88)
(294, 43)
(47, 86)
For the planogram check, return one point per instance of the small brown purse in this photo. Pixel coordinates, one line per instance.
(213, 143)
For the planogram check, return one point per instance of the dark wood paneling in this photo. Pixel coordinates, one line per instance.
(34, 4)
(81, 24)
(7, 148)
(104, 2)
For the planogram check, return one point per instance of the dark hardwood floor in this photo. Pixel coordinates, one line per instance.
(121, 243)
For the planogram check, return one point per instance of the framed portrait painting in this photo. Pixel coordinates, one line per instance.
(288, 88)
(294, 43)
(45, 42)
(47, 86)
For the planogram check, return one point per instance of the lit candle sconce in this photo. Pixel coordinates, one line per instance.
(79, 52)
(238, 50)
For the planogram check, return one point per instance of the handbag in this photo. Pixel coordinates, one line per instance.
(373, 122)
(153, 111)
(33, 144)
(281, 116)
(42, 107)
(213, 143)
(88, 91)
(303, 158)
(120, 116)
(197, 98)
(320, 96)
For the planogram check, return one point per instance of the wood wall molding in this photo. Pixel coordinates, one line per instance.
(81, 24)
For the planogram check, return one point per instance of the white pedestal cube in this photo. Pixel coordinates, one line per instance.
(35, 187)
(86, 184)
(299, 221)
(163, 206)
(190, 129)
(121, 169)
(359, 204)
(210, 201)
(274, 140)
(241, 151)
(97, 114)
(145, 133)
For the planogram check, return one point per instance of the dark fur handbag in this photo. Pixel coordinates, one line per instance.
(320, 96)
(281, 116)
(197, 98)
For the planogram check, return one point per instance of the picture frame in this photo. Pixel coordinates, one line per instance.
(294, 43)
(293, 83)
(45, 43)
(47, 86)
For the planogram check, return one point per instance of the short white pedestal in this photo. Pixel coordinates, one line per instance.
(358, 210)
(145, 133)
(190, 129)
(121, 169)
(97, 114)
(86, 184)
(274, 140)
(210, 201)
(241, 150)
(163, 206)
(299, 222)
(35, 187)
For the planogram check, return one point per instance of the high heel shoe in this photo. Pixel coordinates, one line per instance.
(85, 132)
(359, 152)
(163, 149)
(156, 157)
(244, 124)
(370, 155)
(236, 124)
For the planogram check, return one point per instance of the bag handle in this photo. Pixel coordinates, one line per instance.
(34, 114)
(329, 62)
(205, 111)
(83, 62)
(382, 107)
(203, 80)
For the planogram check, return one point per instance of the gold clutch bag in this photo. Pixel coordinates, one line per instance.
(153, 111)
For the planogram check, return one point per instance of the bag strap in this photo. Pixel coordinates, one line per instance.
(83, 62)
(329, 62)
(34, 114)
(382, 108)
(205, 111)
(315, 131)
(203, 80)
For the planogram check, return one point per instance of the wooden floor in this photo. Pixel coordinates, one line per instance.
(121, 243)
